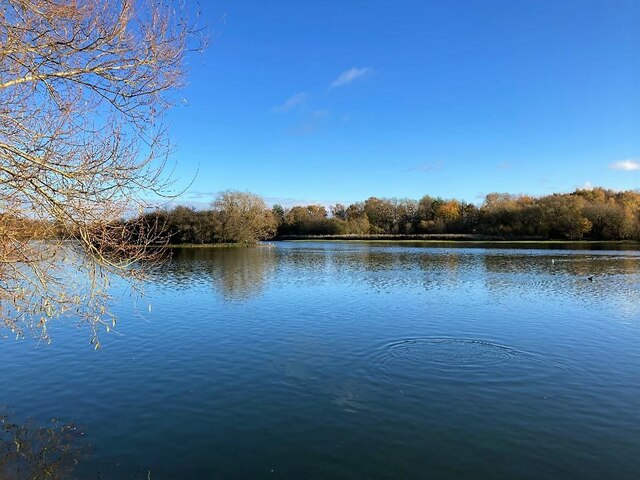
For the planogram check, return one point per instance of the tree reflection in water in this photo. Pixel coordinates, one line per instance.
(243, 273)
(237, 273)
(32, 452)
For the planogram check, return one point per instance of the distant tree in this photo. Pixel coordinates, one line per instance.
(630, 201)
(501, 215)
(562, 217)
(357, 220)
(406, 214)
(188, 225)
(356, 210)
(278, 213)
(310, 220)
(339, 211)
(450, 212)
(470, 216)
(358, 226)
(426, 209)
(296, 219)
(317, 211)
(243, 217)
(598, 214)
(511, 216)
(381, 214)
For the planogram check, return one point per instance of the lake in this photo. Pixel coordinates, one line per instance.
(346, 361)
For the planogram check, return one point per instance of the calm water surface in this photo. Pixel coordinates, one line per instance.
(351, 361)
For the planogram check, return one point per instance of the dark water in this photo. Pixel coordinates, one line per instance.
(349, 361)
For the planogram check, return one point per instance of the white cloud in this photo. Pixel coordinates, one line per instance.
(295, 100)
(350, 75)
(627, 165)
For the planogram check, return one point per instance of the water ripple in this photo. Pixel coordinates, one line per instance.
(444, 352)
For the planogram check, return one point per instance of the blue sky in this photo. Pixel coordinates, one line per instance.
(326, 101)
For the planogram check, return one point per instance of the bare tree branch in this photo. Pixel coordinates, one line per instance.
(84, 87)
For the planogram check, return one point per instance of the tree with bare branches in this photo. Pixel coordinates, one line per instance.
(243, 217)
(84, 86)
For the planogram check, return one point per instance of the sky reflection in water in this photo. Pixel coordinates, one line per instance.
(347, 360)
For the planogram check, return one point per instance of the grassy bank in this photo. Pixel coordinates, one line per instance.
(472, 242)
(453, 238)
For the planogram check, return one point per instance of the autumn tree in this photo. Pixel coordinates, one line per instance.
(470, 217)
(243, 217)
(84, 86)
(562, 217)
(614, 215)
(406, 214)
(427, 207)
(501, 214)
(309, 220)
(381, 214)
(339, 211)
(449, 212)
(357, 220)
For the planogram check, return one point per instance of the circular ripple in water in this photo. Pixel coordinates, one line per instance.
(443, 352)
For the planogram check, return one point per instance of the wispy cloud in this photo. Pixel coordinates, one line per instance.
(627, 165)
(295, 100)
(196, 195)
(504, 166)
(427, 167)
(311, 123)
(348, 76)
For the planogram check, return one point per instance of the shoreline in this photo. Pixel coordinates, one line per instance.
(634, 245)
(520, 242)
(447, 238)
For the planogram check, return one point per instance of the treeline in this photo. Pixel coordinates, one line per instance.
(20, 228)
(238, 217)
(594, 214)
(235, 217)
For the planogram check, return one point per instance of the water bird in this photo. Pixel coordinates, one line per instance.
(590, 278)
(553, 261)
